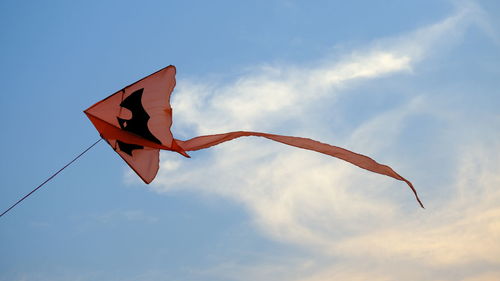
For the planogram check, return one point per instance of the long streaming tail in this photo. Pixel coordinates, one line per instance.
(359, 160)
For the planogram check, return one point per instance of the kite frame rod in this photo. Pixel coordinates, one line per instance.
(51, 177)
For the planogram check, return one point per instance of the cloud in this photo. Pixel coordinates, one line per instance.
(459, 232)
(282, 92)
(353, 225)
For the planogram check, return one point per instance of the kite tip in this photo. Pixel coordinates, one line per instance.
(414, 191)
(416, 196)
(421, 205)
(183, 153)
(176, 147)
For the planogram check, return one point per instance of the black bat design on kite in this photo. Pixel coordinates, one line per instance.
(138, 124)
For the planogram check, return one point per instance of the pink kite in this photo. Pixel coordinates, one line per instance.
(136, 122)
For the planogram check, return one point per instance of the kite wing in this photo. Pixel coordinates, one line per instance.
(136, 121)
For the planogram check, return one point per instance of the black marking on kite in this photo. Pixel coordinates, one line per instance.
(138, 124)
(127, 147)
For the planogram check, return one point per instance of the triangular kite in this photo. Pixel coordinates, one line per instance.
(136, 122)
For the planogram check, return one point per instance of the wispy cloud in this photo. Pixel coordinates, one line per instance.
(282, 92)
(355, 224)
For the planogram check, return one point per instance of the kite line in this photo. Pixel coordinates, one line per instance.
(51, 177)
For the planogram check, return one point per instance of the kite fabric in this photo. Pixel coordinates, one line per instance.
(136, 121)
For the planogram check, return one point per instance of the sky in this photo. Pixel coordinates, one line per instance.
(412, 84)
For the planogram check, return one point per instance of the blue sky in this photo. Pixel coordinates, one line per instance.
(414, 85)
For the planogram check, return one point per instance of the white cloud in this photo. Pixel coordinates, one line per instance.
(461, 229)
(354, 223)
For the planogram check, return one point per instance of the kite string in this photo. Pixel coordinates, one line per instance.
(51, 177)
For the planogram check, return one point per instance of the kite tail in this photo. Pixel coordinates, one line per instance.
(359, 160)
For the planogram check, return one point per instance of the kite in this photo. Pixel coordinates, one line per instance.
(136, 121)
